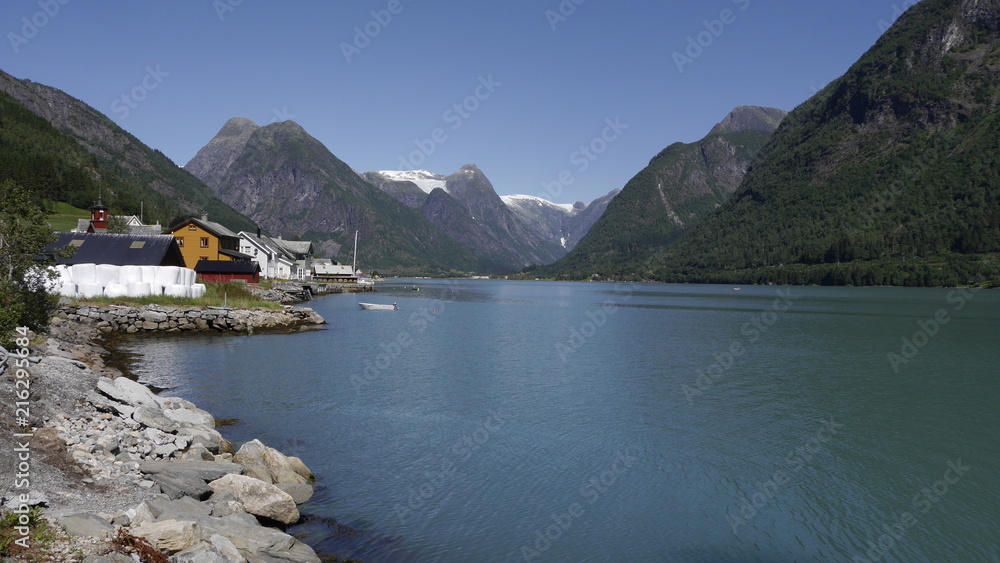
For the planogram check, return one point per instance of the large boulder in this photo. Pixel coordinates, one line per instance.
(209, 438)
(216, 549)
(251, 456)
(254, 542)
(88, 525)
(176, 485)
(153, 417)
(126, 391)
(204, 470)
(270, 465)
(169, 536)
(190, 417)
(300, 492)
(258, 498)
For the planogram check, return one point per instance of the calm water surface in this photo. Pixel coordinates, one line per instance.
(504, 421)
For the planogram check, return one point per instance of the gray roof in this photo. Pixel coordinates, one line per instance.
(295, 246)
(269, 243)
(210, 226)
(119, 249)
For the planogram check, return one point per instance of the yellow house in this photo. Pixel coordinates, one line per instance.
(201, 239)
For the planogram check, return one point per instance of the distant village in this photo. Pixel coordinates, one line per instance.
(212, 251)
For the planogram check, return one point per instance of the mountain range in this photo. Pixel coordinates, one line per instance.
(288, 182)
(890, 175)
(682, 185)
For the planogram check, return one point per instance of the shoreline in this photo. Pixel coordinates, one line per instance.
(111, 459)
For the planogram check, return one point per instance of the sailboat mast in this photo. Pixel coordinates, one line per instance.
(355, 253)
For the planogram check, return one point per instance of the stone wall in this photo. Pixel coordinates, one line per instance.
(150, 318)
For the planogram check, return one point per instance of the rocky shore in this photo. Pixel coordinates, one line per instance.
(131, 320)
(128, 475)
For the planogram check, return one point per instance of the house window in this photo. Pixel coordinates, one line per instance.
(203, 258)
(180, 242)
(192, 227)
(204, 242)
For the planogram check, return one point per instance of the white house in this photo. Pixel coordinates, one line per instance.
(274, 261)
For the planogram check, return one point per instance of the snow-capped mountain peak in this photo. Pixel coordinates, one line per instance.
(525, 200)
(426, 181)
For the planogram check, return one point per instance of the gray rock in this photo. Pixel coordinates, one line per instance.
(270, 465)
(153, 316)
(179, 509)
(126, 391)
(109, 558)
(153, 417)
(169, 536)
(300, 492)
(202, 552)
(165, 450)
(176, 486)
(140, 515)
(256, 542)
(88, 525)
(190, 417)
(37, 498)
(227, 507)
(197, 453)
(258, 497)
(281, 467)
(204, 470)
(158, 437)
(108, 443)
(251, 456)
(206, 437)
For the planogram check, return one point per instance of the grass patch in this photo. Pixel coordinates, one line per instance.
(39, 538)
(230, 294)
(65, 217)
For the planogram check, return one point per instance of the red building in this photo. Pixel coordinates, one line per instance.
(226, 271)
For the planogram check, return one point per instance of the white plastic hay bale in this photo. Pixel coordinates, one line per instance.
(115, 290)
(167, 275)
(88, 290)
(67, 289)
(177, 290)
(149, 274)
(84, 273)
(64, 273)
(128, 274)
(107, 274)
(198, 290)
(138, 289)
(189, 275)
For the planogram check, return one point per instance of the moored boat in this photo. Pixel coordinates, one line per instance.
(378, 307)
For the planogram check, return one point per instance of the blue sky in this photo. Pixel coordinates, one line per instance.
(378, 81)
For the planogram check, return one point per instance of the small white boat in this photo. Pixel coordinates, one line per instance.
(378, 307)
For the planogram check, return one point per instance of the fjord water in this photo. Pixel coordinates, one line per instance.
(500, 421)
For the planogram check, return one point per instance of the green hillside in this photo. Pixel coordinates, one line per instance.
(680, 187)
(889, 176)
(81, 153)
